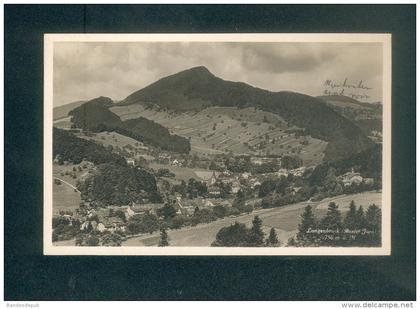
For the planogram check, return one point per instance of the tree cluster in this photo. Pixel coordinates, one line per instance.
(115, 184)
(67, 147)
(238, 235)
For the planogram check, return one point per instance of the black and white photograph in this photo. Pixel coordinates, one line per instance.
(245, 144)
(187, 154)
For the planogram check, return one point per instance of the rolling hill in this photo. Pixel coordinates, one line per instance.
(197, 89)
(96, 116)
(60, 112)
(367, 116)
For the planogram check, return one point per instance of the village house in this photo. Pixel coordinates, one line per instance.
(350, 178)
(225, 203)
(189, 210)
(260, 160)
(180, 209)
(128, 212)
(142, 146)
(368, 181)
(225, 177)
(213, 191)
(101, 227)
(164, 156)
(376, 133)
(112, 223)
(295, 190)
(144, 208)
(86, 225)
(255, 183)
(69, 218)
(245, 175)
(131, 161)
(57, 159)
(298, 172)
(208, 203)
(282, 172)
(236, 186)
(256, 161)
(212, 180)
(189, 206)
(226, 173)
(176, 162)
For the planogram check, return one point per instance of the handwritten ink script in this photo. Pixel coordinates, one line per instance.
(356, 90)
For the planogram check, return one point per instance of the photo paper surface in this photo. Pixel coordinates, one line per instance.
(217, 144)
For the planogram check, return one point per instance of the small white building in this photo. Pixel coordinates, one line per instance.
(255, 184)
(129, 213)
(298, 171)
(176, 163)
(236, 187)
(101, 227)
(208, 203)
(350, 178)
(213, 179)
(245, 175)
(369, 181)
(282, 172)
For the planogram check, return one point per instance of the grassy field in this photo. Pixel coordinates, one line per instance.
(65, 198)
(63, 123)
(64, 195)
(218, 130)
(60, 171)
(113, 139)
(360, 199)
(284, 219)
(181, 173)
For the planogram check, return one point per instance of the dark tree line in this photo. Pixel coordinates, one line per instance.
(238, 235)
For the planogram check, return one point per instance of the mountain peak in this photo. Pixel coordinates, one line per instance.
(198, 70)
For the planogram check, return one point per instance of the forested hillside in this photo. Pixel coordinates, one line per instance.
(113, 182)
(96, 117)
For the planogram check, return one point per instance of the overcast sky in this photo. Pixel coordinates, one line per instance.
(84, 71)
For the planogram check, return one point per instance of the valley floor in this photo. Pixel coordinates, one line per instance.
(284, 219)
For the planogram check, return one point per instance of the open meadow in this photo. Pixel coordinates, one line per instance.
(65, 198)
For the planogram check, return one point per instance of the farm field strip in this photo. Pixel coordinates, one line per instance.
(230, 135)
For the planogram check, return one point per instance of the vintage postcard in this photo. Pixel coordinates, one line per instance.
(217, 144)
